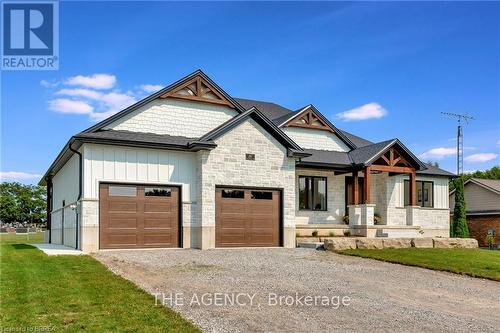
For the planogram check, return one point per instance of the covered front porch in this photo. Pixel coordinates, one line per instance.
(382, 195)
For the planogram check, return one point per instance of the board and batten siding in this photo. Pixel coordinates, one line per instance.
(137, 165)
(309, 138)
(440, 190)
(174, 117)
(65, 188)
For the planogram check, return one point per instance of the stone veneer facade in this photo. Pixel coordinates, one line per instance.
(227, 165)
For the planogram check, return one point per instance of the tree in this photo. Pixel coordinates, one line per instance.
(459, 226)
(493, 173)
(22, 203)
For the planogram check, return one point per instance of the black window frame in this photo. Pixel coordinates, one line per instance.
(311, 190)
(407, 183)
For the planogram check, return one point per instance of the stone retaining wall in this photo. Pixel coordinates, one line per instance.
(346, 243)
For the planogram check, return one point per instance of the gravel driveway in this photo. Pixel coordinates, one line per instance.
(346, 293)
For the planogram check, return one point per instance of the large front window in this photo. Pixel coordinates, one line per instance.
(425, 193)
(312, 193)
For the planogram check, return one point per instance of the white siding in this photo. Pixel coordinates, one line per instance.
(65, 187)
(65, 183)
(315, 139)
(174, 117)
(137, 165)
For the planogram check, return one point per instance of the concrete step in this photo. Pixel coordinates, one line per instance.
(399, 233)
(310, 245)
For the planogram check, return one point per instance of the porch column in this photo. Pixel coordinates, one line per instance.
(413, 188)
(355, 187)
(367, 185)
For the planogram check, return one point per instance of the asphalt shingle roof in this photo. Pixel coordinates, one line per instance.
(270, 110)
(492, 183)
(136, 137)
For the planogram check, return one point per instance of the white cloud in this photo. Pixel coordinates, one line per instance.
(64, 105)
(105, 104)
(364, 112)
(150, 88)
(88, 93)
(439, 153)
(96, 81)
(478, 158)
(48, 84)
(16, 175)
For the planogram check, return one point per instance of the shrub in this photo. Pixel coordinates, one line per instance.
(331, 234)
(347, 233)
(315, 233)
(345, 219)
(377, 219)
(459, 226)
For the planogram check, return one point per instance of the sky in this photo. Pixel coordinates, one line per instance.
(380, 70)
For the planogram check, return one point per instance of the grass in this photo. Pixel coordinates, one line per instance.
(73, 293)
(473, 262)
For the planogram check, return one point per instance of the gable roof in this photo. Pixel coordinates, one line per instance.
(261, 119)
(278, 114)
(162, 93)
(492, 185)
(366, 155)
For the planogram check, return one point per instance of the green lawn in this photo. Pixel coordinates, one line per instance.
(73, 293)
(473, 262)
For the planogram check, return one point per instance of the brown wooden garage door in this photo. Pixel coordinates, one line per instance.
(136, 216)
(247, 217)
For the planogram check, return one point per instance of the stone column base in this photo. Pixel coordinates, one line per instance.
(289, 237)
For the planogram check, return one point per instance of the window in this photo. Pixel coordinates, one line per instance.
(233, 194)
(122, 191)
(261, 195)
(425, 193)
(312, 193)
(158, 191)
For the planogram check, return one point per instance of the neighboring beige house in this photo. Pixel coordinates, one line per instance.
(482, 204)
(190, 166)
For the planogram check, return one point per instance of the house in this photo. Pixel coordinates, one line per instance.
(190, 166)
(482, 204)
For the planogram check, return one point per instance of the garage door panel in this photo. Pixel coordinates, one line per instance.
(157, 238)
(232, 237)
(121, 239)
(117, 222)
(233, 206)
(138, 221)
(120, 206)
(232, 222)
(252, 219)
(158, 223)
(157, 207)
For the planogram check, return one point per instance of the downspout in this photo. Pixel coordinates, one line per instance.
(80, 185)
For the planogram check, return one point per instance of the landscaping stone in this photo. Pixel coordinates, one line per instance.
(450, 243)
(396, 243)
(369, 243)
(339, 243)
(422, 243)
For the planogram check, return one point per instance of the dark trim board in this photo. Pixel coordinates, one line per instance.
(181, 216)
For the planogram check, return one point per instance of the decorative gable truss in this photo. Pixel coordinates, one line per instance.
(392, 158)
(308, 119)
(199, 90)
